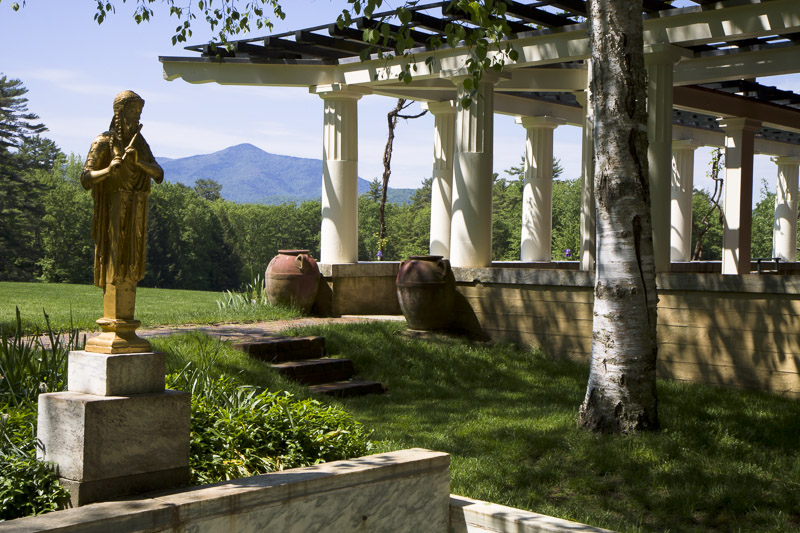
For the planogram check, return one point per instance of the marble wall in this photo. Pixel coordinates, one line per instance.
(407, 490)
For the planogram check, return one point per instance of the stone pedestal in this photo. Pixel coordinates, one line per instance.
(116, 431)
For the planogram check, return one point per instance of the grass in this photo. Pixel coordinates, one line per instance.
(222, 360)
(725, 460)
(83, 304)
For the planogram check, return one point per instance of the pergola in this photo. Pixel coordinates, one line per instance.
(702, 62)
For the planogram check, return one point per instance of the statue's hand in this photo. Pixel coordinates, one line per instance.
(115, 164)
(131, 156)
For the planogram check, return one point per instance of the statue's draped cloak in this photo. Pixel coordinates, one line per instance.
(119, 227)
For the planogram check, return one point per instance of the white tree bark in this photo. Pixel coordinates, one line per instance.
(621, 393)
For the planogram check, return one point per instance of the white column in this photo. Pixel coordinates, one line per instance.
(471, 226)
(659, 152)
(737, 202)
(339, 231)
(682, 188)
(784, 232)
(588, 208)
(537, 188)
(444, 114)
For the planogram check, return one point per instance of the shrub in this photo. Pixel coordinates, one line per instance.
(240, 431)
(27, 486)
(29, 366)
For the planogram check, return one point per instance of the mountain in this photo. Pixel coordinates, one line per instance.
(248, 174)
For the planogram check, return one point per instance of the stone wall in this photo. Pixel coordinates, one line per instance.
(408, 490)
(738, 331)
(475, 516)
(396, 492)
(358, 289)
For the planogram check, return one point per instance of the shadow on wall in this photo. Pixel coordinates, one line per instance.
(737, 331)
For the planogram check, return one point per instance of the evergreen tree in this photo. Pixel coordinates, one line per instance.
(21, 208)
(16, 123)
(38, 153)
(209, 189)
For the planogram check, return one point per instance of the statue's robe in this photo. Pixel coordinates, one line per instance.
(119, 227)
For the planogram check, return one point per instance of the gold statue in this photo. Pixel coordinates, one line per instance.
(118, 169)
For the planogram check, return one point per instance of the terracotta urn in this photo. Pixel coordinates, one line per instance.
(426, 289)
(292, 278)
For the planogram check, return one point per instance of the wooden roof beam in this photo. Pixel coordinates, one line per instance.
(304, 49)
(357, 36)
(329, 43)
(421, 20)
(653, 6)
(537, 16)
(577, 7)
(515, 27)
(419, 38)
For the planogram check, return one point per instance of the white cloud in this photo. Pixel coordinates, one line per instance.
(72, 81)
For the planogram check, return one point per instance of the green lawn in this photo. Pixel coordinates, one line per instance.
(85, 304)
(725, 460)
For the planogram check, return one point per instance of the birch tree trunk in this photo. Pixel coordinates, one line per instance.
(621, 394)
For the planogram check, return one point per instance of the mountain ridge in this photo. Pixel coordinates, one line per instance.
(249, 174)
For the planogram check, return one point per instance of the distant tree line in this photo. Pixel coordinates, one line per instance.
(197, 240)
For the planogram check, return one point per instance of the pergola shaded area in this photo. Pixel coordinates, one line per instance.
(704, 61)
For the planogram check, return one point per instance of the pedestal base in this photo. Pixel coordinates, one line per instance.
(119, 336)
(111, 446)
(116, 374)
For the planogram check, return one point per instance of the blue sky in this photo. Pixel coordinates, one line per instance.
(73, 67)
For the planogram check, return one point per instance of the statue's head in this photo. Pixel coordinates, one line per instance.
(125, 99)
(127, 110)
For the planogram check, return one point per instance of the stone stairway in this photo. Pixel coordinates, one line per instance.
(303, 359)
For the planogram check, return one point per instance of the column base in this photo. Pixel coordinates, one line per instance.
(119, 336)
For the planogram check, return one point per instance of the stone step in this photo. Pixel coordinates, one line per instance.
(316, 371)
(281, 349)
(343, 389)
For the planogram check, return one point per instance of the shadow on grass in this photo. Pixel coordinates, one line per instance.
(724, 460)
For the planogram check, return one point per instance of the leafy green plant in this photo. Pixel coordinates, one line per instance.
(251, 294)
(242, 430)
(27, 486)
(32, 364)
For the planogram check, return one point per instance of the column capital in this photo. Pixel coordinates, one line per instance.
(446, 107)
(685, 144)
(662, 53)
(544, 121)
(733, 124)
(786, 160)
(339, 91)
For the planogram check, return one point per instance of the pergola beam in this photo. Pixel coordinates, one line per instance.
(708, 101)
(684, 27)
(763, 61)
(717, 139)
(509, 104)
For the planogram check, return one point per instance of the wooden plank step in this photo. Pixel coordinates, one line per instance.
(280, 349)
(353, 387)
(315, 371)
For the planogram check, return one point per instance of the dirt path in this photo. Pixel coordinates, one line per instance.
(253, 330)
(256, 329)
